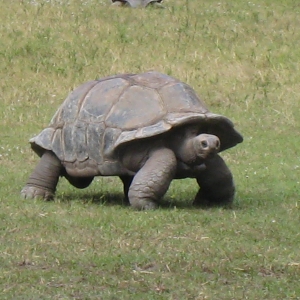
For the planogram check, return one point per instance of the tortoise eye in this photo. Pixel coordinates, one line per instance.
(204, 144)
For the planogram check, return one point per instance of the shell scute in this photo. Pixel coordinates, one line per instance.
(45, 138)
(101, 98)
(69, 109)
(80, 143)
(137, 107)
(57, 144)
(158, 128)
(154, 80)
(179, 97)
(66, 143)
(109, 140)
(94, 137)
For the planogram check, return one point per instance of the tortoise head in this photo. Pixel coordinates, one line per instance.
(205, 145)
(193, 148)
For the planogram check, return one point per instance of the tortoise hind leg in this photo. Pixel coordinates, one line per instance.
(43, 180)
(216, 184)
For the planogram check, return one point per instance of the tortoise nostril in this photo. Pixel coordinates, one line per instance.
(204, 144)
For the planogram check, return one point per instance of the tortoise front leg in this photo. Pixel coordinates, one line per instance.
(216, 183)
(152, 181)
(43, 180)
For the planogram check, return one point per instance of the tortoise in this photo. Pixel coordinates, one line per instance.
(136, 3)
(147, 128)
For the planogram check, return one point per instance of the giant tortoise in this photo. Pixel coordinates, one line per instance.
(137, 3)
(147, 128)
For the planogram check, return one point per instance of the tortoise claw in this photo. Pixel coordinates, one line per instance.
(34, 192)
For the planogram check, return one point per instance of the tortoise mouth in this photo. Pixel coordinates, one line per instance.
(212, 154)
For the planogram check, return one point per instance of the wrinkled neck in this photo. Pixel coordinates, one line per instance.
(186, 152)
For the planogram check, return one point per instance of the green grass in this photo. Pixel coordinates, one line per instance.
(243, 58)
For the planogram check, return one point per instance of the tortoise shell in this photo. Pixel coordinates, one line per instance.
(137, 3)
(101, 115)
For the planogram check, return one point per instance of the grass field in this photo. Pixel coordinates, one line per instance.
(243, 58)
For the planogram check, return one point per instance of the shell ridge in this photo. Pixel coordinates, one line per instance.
(120, 96)
(81, 147)
(161, 101)
(84, 98)
(62, 143)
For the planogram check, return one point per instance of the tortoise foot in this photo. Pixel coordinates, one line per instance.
(34, 192)
(144, 205)
(202, 200)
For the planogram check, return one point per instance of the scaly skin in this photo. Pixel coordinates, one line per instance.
(152, 181)
(43, 180)
(166, 159)
(216, 184)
